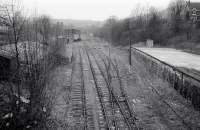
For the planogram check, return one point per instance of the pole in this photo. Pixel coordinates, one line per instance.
(130, 63)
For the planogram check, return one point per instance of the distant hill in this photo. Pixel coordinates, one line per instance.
(79, 23)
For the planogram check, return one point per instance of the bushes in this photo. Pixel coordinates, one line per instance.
(168, 27)
(23, 102)
(34, 106)
(196, 35)
(138, 28)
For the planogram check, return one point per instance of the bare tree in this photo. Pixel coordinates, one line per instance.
(176, 12)
(35, 57)
(15, 21)
(44, 28)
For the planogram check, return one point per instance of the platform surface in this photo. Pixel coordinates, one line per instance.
(174, 57)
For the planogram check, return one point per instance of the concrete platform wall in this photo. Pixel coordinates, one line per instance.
(185, 84)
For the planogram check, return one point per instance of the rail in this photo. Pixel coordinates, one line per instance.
(130, 121)
(83, 92)
(98, 91)
(114, 97)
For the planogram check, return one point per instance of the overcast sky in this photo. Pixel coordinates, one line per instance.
(90, 9)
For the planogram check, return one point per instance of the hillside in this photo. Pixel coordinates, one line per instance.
(79, 23)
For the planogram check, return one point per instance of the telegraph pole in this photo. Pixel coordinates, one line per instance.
(130, 47)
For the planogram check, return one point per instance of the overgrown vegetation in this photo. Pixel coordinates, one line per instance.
(34, 45)
(170, 27)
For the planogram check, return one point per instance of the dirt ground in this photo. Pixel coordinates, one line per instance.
(156, 106)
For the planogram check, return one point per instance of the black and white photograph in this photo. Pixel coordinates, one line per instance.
(99, 64)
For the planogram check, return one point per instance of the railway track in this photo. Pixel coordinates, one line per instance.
(186, 124)
(80, 113)
(105, 121)
(87, 110)
(83, 93)
(116, 75)
(115, 109)
(123, 117)
(115, 68)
